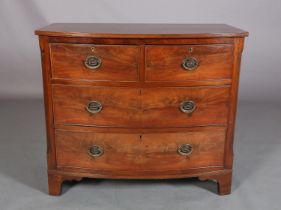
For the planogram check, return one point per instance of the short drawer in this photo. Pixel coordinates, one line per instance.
(96, 106)
(141, 152)
(188, 62)
(185, 107)
(95, 62)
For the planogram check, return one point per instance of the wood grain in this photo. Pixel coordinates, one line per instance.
(119, 63)
(115, 30)
(239, 43)
(164, 63)
(121, 106)
(146, 107)
(48, 103)
(138, 41)
(161, 106)
(140, 84)
(136, 152)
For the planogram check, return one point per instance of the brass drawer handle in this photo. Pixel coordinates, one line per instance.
(93, 62)
(188, 106)
(185, 149)
(190, 63)
(95, 151)
(94, 107)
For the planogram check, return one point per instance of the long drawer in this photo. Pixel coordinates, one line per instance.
(140, 107)
(193, 149)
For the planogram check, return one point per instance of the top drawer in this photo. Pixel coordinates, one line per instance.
(188, 62)
(95, 62)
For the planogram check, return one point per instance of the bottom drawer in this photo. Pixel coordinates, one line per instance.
(195, 148)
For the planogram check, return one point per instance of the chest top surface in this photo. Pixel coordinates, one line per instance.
(113, 30)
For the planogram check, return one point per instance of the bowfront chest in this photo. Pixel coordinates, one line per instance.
(140, 101)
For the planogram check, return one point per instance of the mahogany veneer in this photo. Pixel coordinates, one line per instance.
(140, 101)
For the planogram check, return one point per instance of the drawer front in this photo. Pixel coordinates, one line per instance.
(95, 62)
(148, 152)
(133, 107)
(96, 106)
(184, 107)
(188, 62)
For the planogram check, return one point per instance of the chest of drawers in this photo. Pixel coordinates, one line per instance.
(140, 101)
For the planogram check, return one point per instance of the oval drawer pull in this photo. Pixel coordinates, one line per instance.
(188, 106)
(190, 63)
(94, 107)
(185, 149)
(93, 62)
(95, 151)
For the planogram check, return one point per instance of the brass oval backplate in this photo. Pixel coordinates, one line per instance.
(93, 62)
(185, 149)
(94, 107)
(190, 63)
(95, 150)
(188, 106)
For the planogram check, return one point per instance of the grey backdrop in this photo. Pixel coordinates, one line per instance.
(19, 52)
(257, 171)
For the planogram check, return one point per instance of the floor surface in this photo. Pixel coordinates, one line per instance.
(23, 180)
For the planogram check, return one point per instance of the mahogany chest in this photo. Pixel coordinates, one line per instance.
(140, 101)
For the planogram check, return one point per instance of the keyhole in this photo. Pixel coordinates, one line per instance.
(93, 49)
